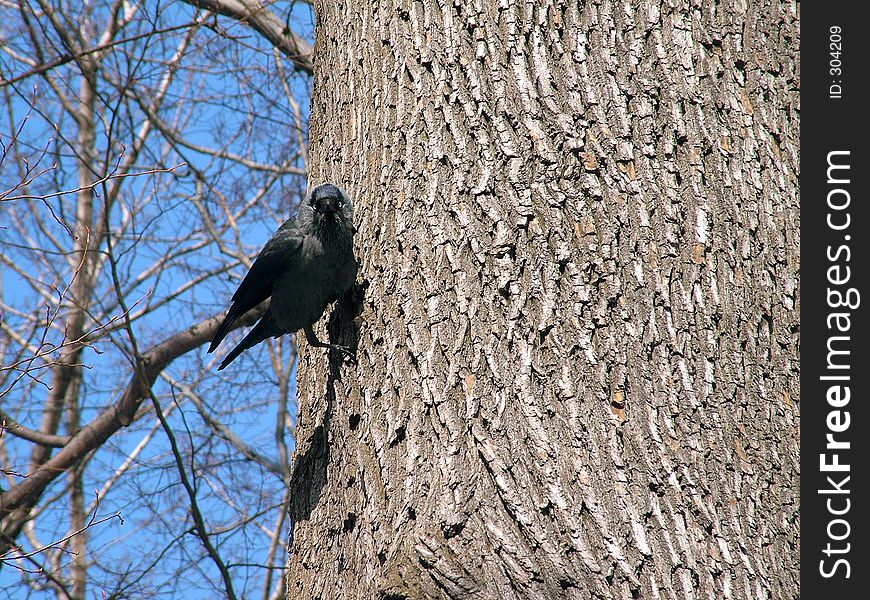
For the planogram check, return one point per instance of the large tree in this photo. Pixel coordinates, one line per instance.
(577, 326)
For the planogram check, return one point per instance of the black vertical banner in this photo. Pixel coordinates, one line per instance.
(835, 299)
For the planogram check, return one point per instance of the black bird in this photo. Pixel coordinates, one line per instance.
(307, 264)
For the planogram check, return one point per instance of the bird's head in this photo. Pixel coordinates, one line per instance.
(328, 208)
(328, 199)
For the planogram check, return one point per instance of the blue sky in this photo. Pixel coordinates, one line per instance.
(241, 93)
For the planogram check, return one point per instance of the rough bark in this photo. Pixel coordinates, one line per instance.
(578, 344)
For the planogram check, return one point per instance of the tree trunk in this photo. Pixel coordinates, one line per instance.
(578, 344)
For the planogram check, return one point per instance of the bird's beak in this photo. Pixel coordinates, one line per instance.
(329, 205)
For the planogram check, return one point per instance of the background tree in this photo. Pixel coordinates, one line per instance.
(578, 347)
(149, 149)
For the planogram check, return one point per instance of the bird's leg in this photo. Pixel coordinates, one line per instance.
(313, 341)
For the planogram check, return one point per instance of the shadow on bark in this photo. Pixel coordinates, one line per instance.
(308, 476)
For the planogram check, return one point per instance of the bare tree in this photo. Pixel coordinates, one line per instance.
(148, 150)
(578, 347)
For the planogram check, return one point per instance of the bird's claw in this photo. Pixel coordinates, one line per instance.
(346, 352)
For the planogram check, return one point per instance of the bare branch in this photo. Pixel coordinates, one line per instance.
(91, 523)
(195, 512)
(9, 424)
(41, 68)
(122, 413)
(91, 186)
(133, 89)
(267, 24)
(225, 432)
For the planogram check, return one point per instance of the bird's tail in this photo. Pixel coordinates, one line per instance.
(263, 330)
(226, 326)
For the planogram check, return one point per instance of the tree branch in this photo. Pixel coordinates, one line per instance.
(225, 432)
(91, 436)
(267, 24)
(9, 424)
(68, 57)
(195, 513)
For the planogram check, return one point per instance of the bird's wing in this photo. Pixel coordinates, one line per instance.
(277, 255)
(280, 253)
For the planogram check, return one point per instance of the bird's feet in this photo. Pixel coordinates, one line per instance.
(313, 341)
(345, 352)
